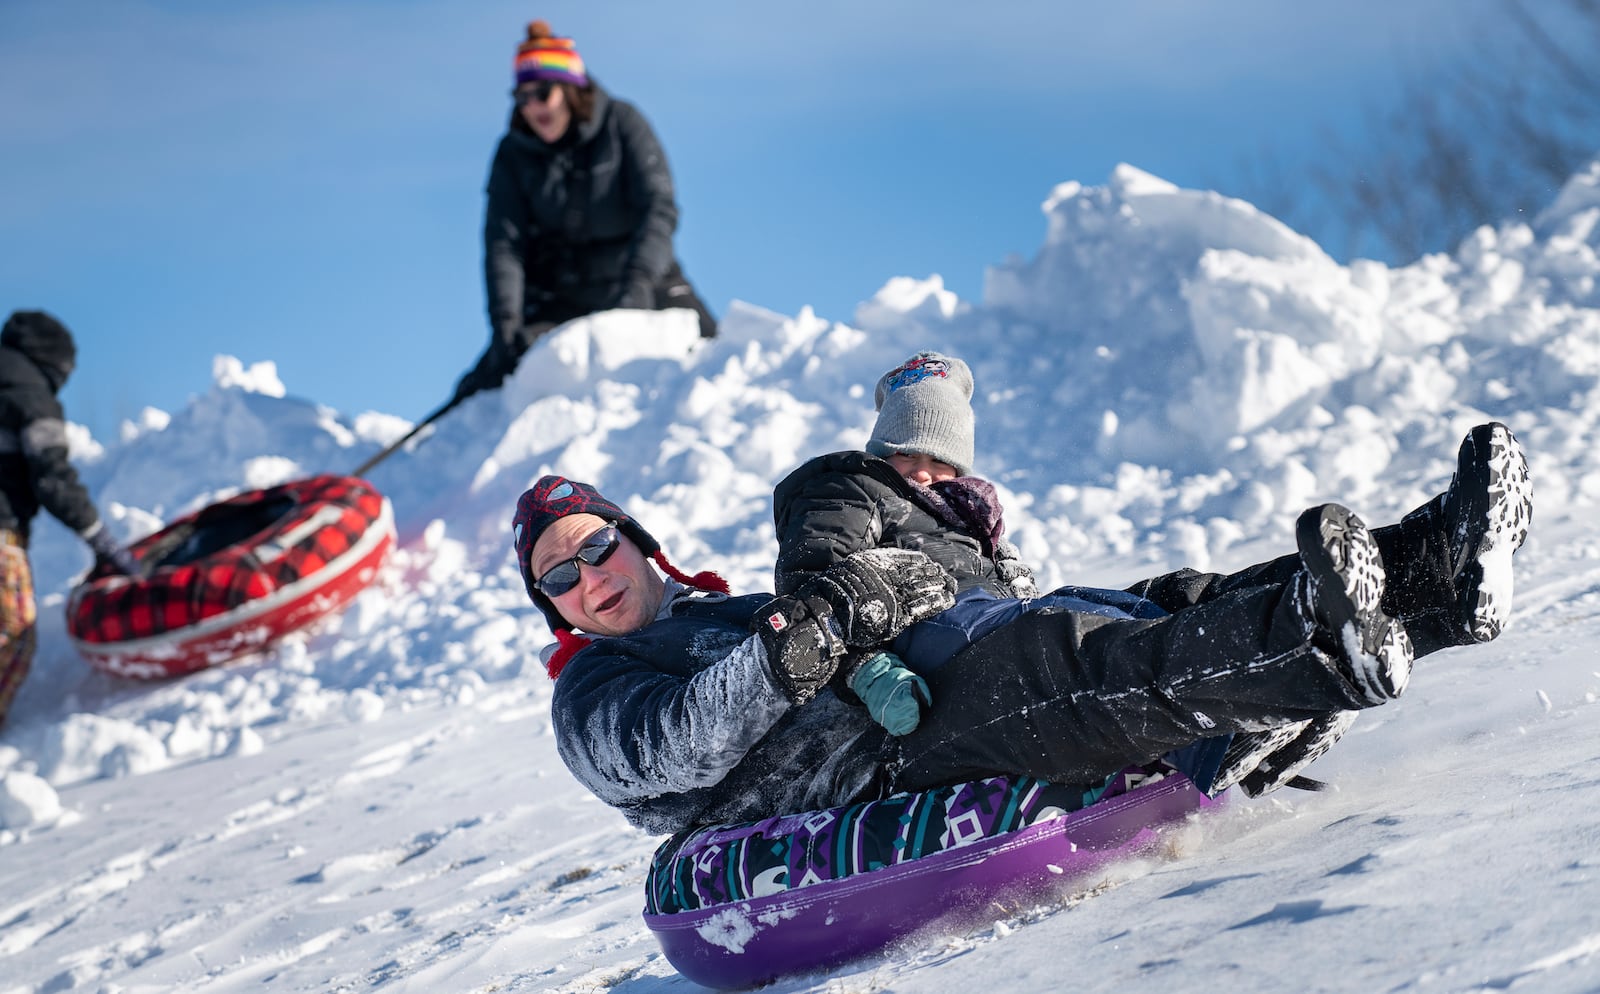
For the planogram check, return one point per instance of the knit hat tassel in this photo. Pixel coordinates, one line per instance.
(570, 644)
(704, 580)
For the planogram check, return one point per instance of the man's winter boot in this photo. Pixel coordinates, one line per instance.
(1485, 515)
(1248, 750)
(1339, 592)
(1261, 762)
(1449, 561)
(1280, 767)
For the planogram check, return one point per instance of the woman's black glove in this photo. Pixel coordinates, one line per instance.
(639, 295)
(500, 359)
(491, 370)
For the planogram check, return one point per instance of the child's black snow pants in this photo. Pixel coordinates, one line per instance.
(1417, 590)
(1072, 697)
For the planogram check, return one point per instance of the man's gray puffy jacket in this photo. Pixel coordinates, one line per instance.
(681, 724)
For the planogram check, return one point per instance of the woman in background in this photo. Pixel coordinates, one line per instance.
(581, 211)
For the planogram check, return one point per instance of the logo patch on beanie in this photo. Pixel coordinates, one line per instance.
(917, 370)
(563, 490)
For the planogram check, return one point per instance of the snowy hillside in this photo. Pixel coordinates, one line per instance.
(1167, 381)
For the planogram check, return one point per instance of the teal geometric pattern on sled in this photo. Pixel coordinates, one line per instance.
(723, 864)
(839, 884)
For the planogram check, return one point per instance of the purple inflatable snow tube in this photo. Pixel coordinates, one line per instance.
(748, 943)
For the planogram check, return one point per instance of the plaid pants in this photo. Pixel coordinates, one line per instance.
(18, 635)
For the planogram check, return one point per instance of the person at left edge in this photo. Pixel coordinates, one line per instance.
(37, 355)
(581, 211)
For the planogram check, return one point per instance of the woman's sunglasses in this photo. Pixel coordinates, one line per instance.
(596, 549)
(536, 93)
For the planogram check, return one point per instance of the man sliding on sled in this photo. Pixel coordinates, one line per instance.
(684, 706)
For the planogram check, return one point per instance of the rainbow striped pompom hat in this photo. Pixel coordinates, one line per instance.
(544, 56)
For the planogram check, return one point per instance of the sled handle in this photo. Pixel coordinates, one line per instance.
(365, 467)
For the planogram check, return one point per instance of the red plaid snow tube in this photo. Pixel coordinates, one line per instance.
(233, 577)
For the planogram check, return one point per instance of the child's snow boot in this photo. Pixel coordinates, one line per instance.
(1340, 590)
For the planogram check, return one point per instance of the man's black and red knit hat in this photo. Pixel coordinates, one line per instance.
(540, 506)
(554, 497)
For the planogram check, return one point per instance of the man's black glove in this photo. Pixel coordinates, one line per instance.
(108, 556)
(876, 594)
(802, 642)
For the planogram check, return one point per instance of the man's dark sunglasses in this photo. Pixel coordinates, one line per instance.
(539, 92)
(596, 549)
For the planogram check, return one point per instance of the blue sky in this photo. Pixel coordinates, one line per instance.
(303, 181)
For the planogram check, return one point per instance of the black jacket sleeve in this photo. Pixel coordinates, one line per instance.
(55, 481)
(508, 229)
(682, 723)
(650, 190)
(629, 731)
(840, 503)
(821, 516)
